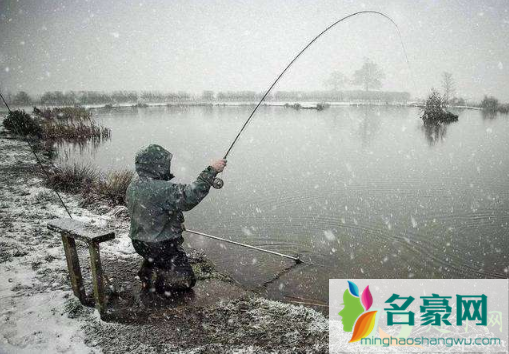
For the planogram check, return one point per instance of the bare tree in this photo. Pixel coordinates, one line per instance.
(337, 80)
(369, 76)
(22, 98)
(448, 86)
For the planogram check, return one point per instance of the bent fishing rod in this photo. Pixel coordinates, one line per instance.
(219, 183)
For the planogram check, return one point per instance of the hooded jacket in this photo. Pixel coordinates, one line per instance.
(154, 203)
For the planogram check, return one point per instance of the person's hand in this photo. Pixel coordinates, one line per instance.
(219, 165)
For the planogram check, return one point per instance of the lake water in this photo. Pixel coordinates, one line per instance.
(365, 192)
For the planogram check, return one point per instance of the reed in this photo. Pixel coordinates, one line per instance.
(63, 113)
(69, 130)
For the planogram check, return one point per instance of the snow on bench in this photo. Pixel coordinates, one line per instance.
(81, 231)
(71, 230)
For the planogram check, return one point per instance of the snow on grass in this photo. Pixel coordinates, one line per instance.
(31, 321)
(39, 313)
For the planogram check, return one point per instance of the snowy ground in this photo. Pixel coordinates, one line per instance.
(39, 314)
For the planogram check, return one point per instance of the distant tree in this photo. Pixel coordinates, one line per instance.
(457, 101)
(207, 95)
(448, 86)
(369, 76)
(183, 96)
(489, 103)
(22, 98)
(336, 81)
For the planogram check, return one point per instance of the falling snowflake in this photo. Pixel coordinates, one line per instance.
(414, 223)
(329, 235)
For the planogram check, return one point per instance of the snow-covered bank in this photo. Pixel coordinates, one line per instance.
(33, 284)
(272, 104)
(39, 314)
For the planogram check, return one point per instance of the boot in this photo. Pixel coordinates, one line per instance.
(148, 276)
(172, 280)
(176, 276)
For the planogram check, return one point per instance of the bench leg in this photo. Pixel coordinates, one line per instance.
(97, 278)
(73, 265)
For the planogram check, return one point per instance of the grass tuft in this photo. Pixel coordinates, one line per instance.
(92, 185)
(114, 186)
(20, 123)
(72, 179)
(68, 123)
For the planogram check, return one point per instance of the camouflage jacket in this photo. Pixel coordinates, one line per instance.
(154, 203)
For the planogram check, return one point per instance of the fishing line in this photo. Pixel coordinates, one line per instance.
(218, 183)
(39, 162)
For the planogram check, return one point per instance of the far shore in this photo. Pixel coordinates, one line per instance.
(283, 104)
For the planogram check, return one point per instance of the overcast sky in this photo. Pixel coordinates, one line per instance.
(243, 45)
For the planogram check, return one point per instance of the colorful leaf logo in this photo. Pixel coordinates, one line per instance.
(364, 325)
(354, 290)
(367, 298)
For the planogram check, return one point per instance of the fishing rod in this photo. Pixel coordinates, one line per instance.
(219, 183)
(6, 105)
(297, 259)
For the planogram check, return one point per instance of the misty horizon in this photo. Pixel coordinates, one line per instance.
(229, 46)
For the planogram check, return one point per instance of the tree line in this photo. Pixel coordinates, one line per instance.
(73, 98)
(70, 98)
(368, 78)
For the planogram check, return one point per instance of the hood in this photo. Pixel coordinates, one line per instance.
(154, 162)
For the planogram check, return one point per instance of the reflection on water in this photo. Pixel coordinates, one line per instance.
(487, 114)
(434, 132)
(68, 150)
(369, 126)
(354, 189)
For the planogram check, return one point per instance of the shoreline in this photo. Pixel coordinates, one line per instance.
(222, 316)
(281, 104)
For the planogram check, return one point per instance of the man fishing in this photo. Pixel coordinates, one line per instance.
(156, 208)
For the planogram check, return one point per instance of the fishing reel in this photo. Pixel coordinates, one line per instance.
(217, 183)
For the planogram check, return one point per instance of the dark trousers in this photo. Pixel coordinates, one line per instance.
(163, 254)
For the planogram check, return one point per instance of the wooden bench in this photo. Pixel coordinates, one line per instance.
(72, 230)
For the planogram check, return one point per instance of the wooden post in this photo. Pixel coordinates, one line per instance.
(73, 265)
(97, 278)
